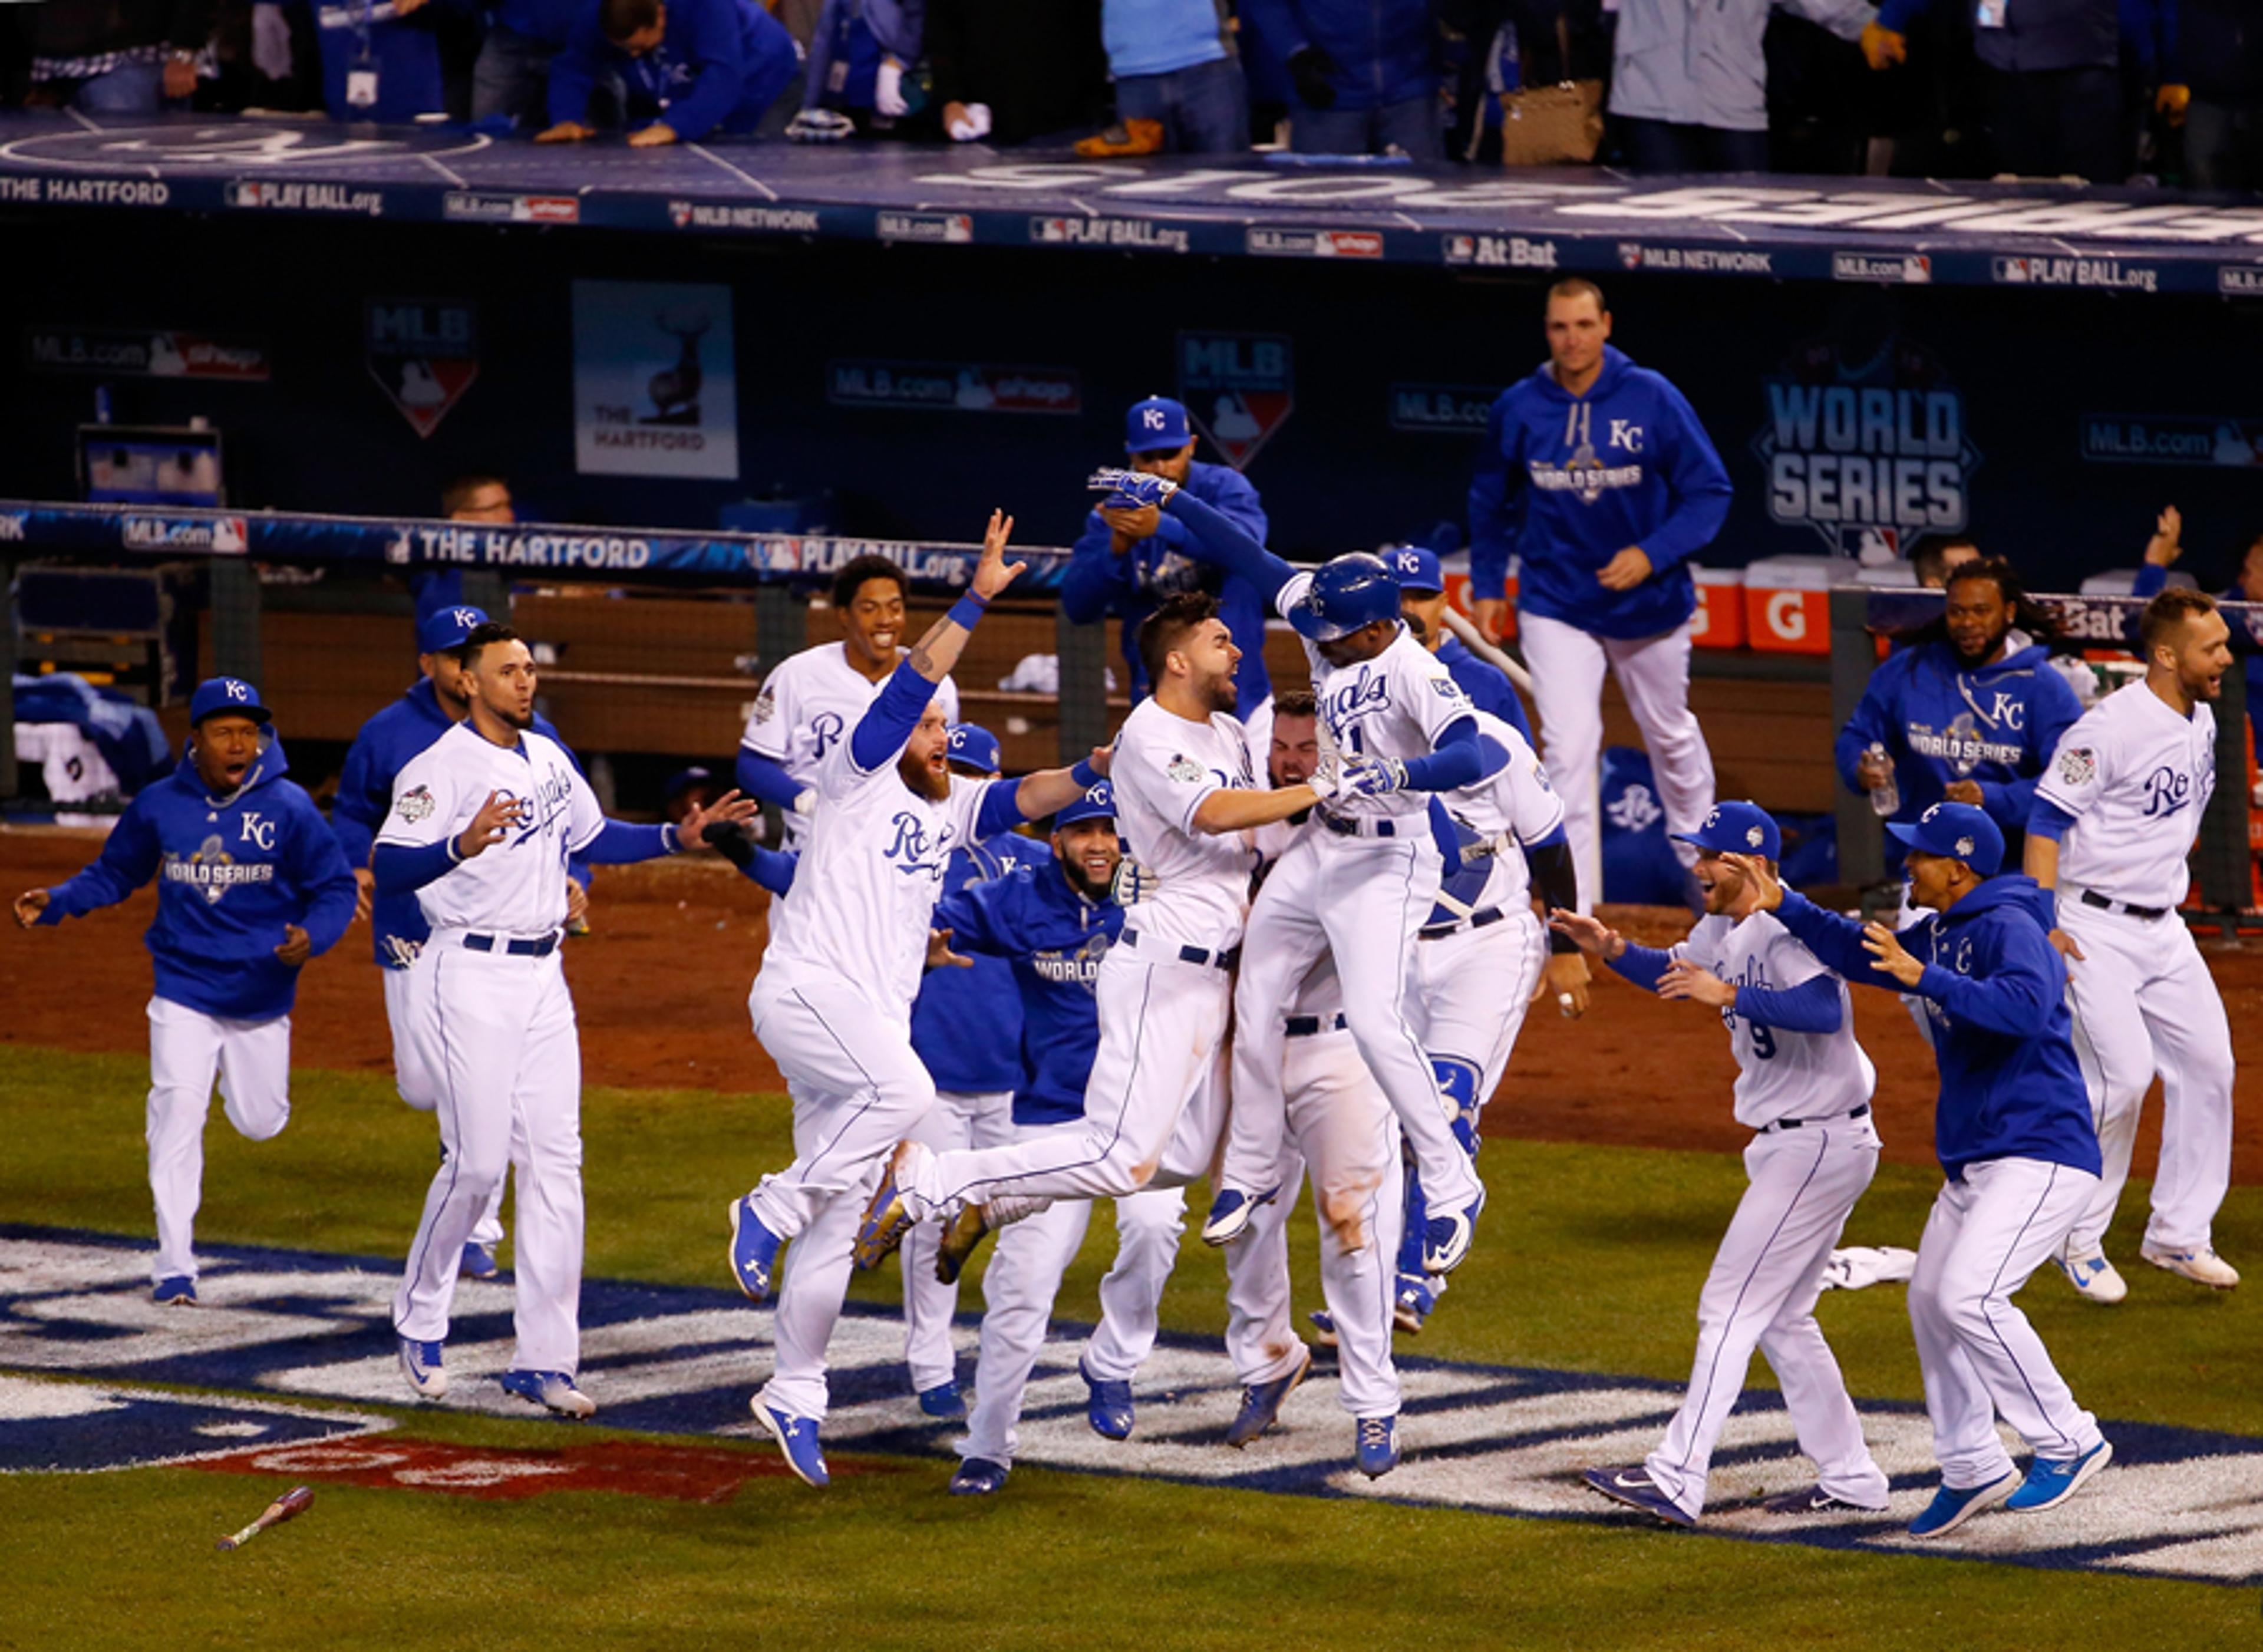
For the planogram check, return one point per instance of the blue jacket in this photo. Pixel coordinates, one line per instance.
(404, 51)
(1568, 482)
(547, 22)
(1998, 725)
(1054, 938)
(1098, 585)
(379, 752)
(232, 873)
(722, 64)
(1486, 684)
(1995, 993)
(966, 1023)
(2038, 35)
(850, 38)
(1156, 37)
(1385, 51)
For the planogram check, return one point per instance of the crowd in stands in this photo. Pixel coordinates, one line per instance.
(2110, 90)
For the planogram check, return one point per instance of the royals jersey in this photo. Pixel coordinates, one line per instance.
(1164, 767)
(1780, 1074)
(517, 886)
(1510, 808)
(807, 708)
(2136, 777)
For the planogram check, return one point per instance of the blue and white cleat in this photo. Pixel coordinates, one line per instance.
(1324, 1327)
(979, 1477)
(889, 1217)
(478, 1261)
(1261, 1404)
(1951, 1508)
(1106, 1405)
(797, 1437)
(1230, 1212)
(177, 1290)
(943, 1401)
(1418, 1295)
(553, 1390)
(2093, 1278)
(419, 1363)
(1377, 1438)
(753, 1250)
(2051, 1480)
(1633, 1487)
(1446, 1238)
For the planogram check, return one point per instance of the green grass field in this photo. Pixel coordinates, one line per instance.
(1590, 1260)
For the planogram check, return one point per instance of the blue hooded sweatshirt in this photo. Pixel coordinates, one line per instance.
(1570, 482)
(966, 1023)
(720, 65)
(405, 51)
(233, 872)
(1995, 995)
(1385, 51)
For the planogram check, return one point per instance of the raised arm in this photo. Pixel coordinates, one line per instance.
(128, 859)
(888, 723)
(1218, 538)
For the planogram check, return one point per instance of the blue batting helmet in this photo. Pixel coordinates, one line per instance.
(1353, 591)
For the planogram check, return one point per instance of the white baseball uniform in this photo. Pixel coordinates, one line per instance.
(959, 1119)
(495, 1026)
(2136, 776)
(187, 1049)
(1806, 1098)
(807, 708)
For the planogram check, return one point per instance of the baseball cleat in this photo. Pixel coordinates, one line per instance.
(1324, 1327)
(1261, 1403)
(176, 1289)
(2202, 1265)
(960, 1236)
(1633, 1487)
(1230, 1212)
(1814, 1500)
(1377, 1446)
(943, 1401)
(1418, 1295)
(1446, 1238)
(419, 1363)
(1106, 1405)
(553, 1390)
(1951, 1507)
(2094, 1279)
(753, 1250)
(478, 1261)
(888, 1217)
(797, 1437)
(2051, 1480)
(979, 1477)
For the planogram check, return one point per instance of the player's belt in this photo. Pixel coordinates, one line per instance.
(1306, 1027)
(2091, 897)
(1476, 920)
(1862, 1111)
(1360, 825)
(1224, 959)
(542, 948)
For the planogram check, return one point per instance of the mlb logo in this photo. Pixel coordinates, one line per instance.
(680, 212)
(1631, 254)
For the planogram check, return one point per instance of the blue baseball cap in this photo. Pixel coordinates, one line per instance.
(1154, 424)
(1416, 566)
(1097, 803)
(231, 694)
(1737, 829)
(1957, 831)
(446, 628)
(975, 747)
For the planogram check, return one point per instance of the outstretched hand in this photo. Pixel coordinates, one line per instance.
(1589, 935)
(730, 809)
(1885, 947)
(1130, 489)
(1762, 877)
(1695, 982)
(29, 905)
(497, 816)
(939, 955)
(994, 573)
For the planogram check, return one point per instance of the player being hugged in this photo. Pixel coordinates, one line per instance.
(1803, 1089)
(250, 886)
(483, 823)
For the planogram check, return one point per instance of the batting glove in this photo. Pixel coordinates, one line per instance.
(804, 801)
(1133, 883)
(1130, 489)
(1326, 781)
(1372, 777)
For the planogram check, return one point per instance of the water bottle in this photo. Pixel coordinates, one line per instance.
(1886, 800)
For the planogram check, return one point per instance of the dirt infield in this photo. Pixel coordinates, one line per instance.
(661, 988)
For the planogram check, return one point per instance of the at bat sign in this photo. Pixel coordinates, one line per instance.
(294, 1501)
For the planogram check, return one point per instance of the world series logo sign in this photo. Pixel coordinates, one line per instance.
(423, 355)
(1238, 389)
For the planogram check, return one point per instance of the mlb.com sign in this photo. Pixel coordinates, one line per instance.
(1238, 389)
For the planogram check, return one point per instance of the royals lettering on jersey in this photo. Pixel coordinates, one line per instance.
(2136, 776)
(1164, 767)
(1497, 816)
(1780, 1074)
(805, 709)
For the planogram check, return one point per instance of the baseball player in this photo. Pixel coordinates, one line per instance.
(1361, 886)
(966, 1030)
(1618, 487)
(1803, 1089)
(2012, 1131)
(440, 699)
(483, 823)
(250, 886)
(1422, 603)
(808, 703)
(2116, 815)
(833, 1001)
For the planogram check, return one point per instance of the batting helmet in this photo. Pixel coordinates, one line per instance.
(1353, 591)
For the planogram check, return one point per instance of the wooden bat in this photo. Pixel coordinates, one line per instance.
(294, 1501)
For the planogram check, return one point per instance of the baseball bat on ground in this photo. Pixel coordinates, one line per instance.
(291, 1502)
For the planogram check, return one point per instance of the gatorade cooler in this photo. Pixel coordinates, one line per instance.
(1719, 620)
(1788, 601)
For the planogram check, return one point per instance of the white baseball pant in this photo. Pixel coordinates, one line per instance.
(1760, 1293)
(1476, 984)
(414, 1078)
(2144, 1000)
(813, 1280)
(1567, 666)
(1980, 1358)
(1361, 899)
(959, 1119)
(1345, 1133)
(508, 1063)
(188, 1049)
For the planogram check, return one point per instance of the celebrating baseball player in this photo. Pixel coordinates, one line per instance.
(1803, 1089)
(251, 884)
(809, 702)
(1618, 487)
(441, 700)
(483, 823)
(2116, 815)
(833, 1001)
(2012, 1131)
